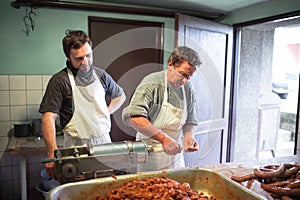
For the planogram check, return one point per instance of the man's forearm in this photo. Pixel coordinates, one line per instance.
(144, 126)
(188, 130)
(49, 132)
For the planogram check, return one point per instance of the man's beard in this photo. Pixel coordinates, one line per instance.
(84, 68)
(85, 75)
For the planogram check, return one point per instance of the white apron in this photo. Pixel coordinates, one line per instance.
(170, 120)
(90, 122)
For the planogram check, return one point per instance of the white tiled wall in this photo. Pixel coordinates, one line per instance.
(20, 96)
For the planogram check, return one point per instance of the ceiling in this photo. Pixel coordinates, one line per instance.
(215, 6)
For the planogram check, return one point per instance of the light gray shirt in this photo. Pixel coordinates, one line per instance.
(148, 97)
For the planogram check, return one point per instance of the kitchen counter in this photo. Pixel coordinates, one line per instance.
(25, 147)
(28, 147)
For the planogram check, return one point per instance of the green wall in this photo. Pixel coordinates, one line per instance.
(41, 52)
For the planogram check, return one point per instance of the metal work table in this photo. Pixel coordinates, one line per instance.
(27, 147)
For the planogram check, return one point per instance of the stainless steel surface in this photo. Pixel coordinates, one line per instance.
(94, 161)
(201, 180)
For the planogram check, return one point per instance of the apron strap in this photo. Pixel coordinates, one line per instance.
(71, 77)
(166, 97)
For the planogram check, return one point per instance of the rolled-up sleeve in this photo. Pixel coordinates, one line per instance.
(139, 104)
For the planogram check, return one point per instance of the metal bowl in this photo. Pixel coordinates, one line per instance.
(207, 181)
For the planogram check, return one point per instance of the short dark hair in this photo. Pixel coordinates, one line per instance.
(184, 53)
(74, 39)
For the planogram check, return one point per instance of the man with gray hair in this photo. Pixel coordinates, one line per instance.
(162, 111)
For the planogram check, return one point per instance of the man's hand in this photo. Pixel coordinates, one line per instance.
(170, 146)
(50, 165)
(144, 126)
(50, 169)
(190, 144)
(49, 136)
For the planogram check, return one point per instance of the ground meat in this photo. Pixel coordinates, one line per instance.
(154, 188)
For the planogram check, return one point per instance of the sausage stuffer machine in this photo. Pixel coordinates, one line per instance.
(95, 161)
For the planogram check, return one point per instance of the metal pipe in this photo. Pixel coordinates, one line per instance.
(113, 8)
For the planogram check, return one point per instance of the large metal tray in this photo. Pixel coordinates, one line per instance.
(204, 180)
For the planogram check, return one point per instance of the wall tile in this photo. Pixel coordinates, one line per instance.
(3, 143)
(18, 113)
(6, 190)
(17, 98)
(5, 113)
(16, 160)
(5, 129)
(33, 112)
(6, 173)
(4, 98)
(35, 170)
(16, 185)
(16, 171)
(17, 82)
(5, 159)
(34, 97)
(46, 79)
(34, 82)
(4, 82)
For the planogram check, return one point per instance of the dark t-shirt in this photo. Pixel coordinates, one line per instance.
(58, 96)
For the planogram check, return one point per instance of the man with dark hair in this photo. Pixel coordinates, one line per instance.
(77, 95)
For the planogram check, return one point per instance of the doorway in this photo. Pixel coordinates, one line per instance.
(128, 50)
(267, 90)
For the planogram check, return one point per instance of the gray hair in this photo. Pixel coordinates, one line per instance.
(184, 53)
